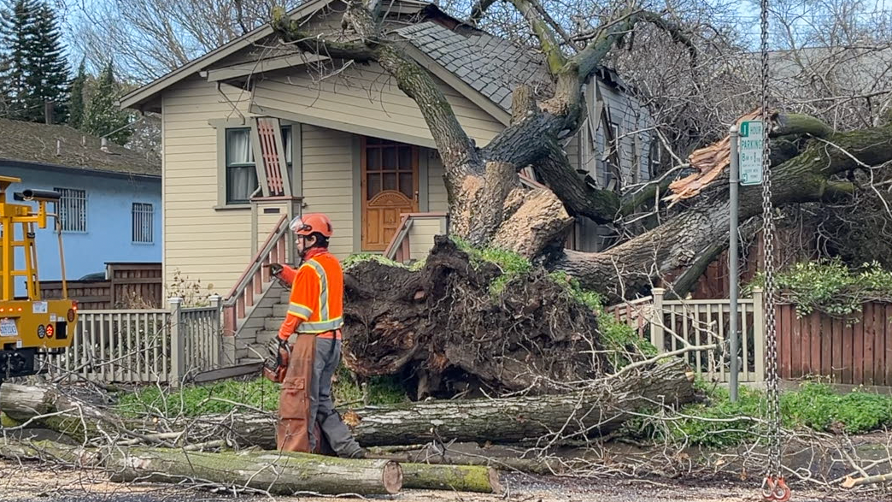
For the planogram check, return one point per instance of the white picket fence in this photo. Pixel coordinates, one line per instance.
(677, 326)
(143, 346)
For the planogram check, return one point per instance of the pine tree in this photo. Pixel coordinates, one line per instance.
(49, 75)
(34, 69)
(16, 37)
(76, 109)
(103, 115)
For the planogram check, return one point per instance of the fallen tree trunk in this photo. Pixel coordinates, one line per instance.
(273, 472)
(600, 408)
(463, 478)
(423, 456)
(595, 411)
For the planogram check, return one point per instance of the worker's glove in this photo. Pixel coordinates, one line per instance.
(275, 268)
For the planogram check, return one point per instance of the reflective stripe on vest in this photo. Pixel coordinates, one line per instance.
(325, 324)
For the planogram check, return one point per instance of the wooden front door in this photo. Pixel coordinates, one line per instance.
(389, 189)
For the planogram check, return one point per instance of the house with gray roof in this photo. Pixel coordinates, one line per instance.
(255, 132)
(110, 206)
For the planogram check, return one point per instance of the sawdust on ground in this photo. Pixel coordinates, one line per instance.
(28, 482)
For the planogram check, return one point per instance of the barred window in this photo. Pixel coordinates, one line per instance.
(143, 222)
(72, 209)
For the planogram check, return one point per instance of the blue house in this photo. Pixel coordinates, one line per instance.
(110, 210)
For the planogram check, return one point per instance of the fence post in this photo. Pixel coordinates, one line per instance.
(759, 333)
(177, 343)
(216, 331)
(656, 320)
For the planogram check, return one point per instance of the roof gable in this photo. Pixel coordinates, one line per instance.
(146, 96)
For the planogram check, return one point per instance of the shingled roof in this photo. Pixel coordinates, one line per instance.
(66, 147)
(492, 65)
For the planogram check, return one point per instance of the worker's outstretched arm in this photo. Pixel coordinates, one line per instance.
(302, 301)
(284, 272)
(288, 274)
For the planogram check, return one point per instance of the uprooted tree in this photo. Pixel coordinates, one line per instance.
(440, 315)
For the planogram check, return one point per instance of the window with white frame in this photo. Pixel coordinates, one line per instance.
(72, 209)
(143, 215)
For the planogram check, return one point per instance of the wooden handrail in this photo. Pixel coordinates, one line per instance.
(257, 260)
(399, 236)
(252, 280)
(399, 240)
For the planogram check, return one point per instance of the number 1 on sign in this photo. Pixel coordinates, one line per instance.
(750, 152)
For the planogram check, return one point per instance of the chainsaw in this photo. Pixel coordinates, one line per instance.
(277, 364)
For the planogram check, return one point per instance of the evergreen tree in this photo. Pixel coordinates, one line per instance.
(76, 109)
(49, 75)
(34, 69)
(16, 36)
(103, 114)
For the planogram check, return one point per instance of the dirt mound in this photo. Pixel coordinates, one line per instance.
(445, 327)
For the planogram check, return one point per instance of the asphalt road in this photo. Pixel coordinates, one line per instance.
(63, 488)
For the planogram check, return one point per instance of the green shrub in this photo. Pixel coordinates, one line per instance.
(719, 423)
(830, 286)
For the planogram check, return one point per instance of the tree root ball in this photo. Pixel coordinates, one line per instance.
(447, 327)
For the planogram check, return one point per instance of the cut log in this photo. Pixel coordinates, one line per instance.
(543, 466)
(55, 410)
(278, 473)
(273, 472)
(463, 478)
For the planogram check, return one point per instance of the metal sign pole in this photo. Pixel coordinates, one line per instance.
(734, 180)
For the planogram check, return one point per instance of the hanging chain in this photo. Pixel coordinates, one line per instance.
(774, 453)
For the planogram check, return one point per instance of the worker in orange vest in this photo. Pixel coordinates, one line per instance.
(315, 315)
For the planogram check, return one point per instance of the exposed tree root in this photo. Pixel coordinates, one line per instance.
(455, 324)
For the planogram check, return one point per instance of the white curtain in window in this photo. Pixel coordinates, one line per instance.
(242, 178)
(286, 143)
(240, 147)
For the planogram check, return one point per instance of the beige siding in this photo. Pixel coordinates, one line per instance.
(421, 236)
(438, 200)
(369, 98)
(203, 244)
(328, 182)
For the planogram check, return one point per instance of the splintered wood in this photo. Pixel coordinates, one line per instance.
(710, 161)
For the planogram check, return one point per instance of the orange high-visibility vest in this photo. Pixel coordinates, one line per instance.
(316, 304)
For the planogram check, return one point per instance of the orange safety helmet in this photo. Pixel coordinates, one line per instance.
(309, 224)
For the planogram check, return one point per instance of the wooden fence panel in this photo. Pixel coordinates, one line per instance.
(90, 295)
(887, 328)
(130, 285)
(856, 350)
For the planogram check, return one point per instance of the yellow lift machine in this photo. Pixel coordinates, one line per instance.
(29, 326)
